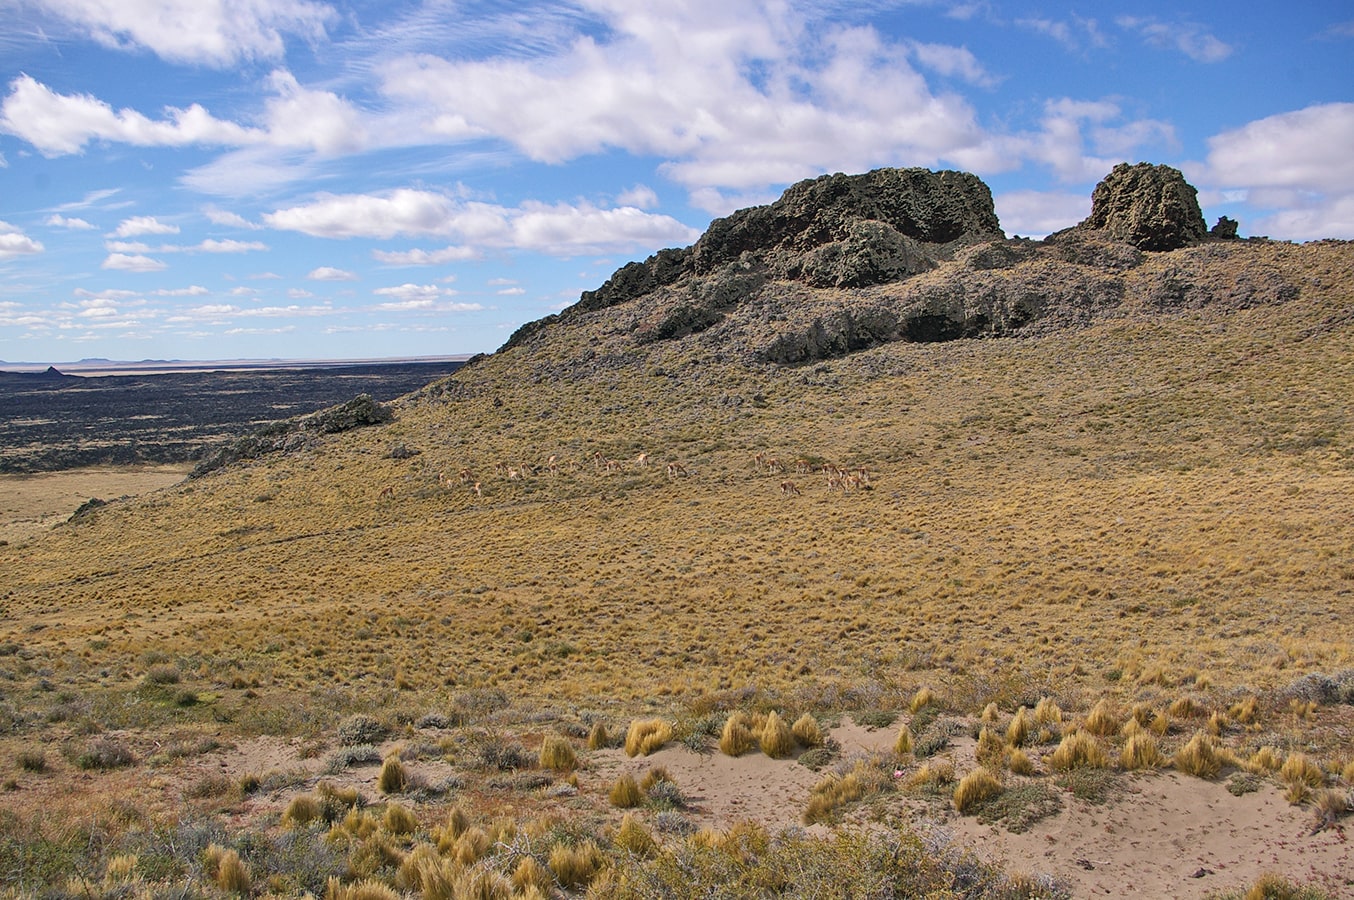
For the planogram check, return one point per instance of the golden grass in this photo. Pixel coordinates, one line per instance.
(598, 737)
(807, 731)
(1102, 721)
(974, 788)
(1141, 752)
(644, 736)
(625, 793)
(394, 778)
(575, 866)
(1019, 762)
(634, 838)
(1078, 750)
(558, 754)
(1018, 731)
(991, 749)
(775, 737)
(902, 744)
(736, 737)
(1200, 757)
(1299, 768)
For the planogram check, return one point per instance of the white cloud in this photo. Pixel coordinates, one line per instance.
(512, 292)
(321, 120)
(298, 294)
(640, 196)
(1189, 38)
(59, 124)
(196, 31)
(14, 242)
(329, 273)
(414, 293)
(139, 225)
(419, 257)
(1076, 34)
(223, 217)
(559, 229)
(125, 263)
(195, 290)
(211, 245)
(1038, 213)
(952, 62)
(75, 224)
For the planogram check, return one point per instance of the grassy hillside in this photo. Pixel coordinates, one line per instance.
(1152, 507)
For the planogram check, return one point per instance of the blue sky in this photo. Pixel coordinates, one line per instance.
(210, 179)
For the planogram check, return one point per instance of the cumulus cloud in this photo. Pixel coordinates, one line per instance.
(123, 262)
(420, 257)
(14, 242)
(640, 196)
(952, 62)
(329, 273)
(139, 225)
(73, 223)
(421, 298)
(559, 229)
(194, 31)
(60, 124)
(1295, 164)
(1040, 213)
(210, 245)
(1189, 38)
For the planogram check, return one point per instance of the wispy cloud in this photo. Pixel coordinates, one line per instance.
(329, 273)
(123, 262)
(1189, 38)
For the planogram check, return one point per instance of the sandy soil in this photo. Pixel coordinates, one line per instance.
(30, 504)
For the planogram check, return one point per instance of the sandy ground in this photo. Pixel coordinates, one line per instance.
(30, 504)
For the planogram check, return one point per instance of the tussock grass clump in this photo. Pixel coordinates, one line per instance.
(775, 737)
(1245, 711)
(399, 820)
(653, 776)
(455, 825)
(529, 874)
(558, 754)
(923, 698)
(1078, 750)
(932, 776)
(226, 870)
(1275, 887)
(646, 736)
(1185, 708)
(830, 793)
(990, 714)
(1264, 761)
(902, 744)
(301, 811)
(575, 866)
(991, 749)
(736, 738)
(394, 778)
(1102, 721)
(598, 738)
(634, 838)
(1199, 757)
(1019, 762)
(366, 889)
(1018, 731)
(1141, 752)
(1047, 712)
(974, 788)
(807, 731)
(472, 846)
(1300, 769)
(625, 793)
(105, 752)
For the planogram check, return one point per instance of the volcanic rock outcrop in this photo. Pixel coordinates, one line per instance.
(842, 263)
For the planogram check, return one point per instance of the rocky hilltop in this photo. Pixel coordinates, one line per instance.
(846, 262)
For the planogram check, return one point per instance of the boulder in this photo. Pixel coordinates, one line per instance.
(1151, 207)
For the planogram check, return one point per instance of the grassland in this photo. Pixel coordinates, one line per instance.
(1152, 509)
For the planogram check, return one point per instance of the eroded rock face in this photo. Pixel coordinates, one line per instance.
(1151, 207)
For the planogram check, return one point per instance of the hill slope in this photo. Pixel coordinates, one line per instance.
(1143, 491)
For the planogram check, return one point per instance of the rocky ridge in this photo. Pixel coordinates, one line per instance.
(842, 263)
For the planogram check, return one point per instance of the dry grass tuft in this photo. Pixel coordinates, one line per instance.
(472, 846)
(990, 714)
(226, 869)
(529, 873)
(598, 738)
(1102, 721)
(1275, 887)
(1199, 757)
(932, 775)
(1047, 712)
(558, 754)
(646, 736)
(399, 820)
(736, 738)
(366, 889)
(777, 741)
(1300, 769)
(974, 788)
(1018, 732)
(394, 778)
(1019, 762)
(575, 866)
(991, 749)
(902, 744)
(1185, 708)
(1264, 761)
(1077, 750)
(807, 731)
(634, 838)
(625, 793)
(1245, 711)
(1141, 752)
(301, 811)
(922, 699)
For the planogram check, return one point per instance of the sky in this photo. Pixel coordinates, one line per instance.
(354, 179)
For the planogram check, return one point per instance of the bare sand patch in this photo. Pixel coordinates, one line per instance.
(31, 504)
